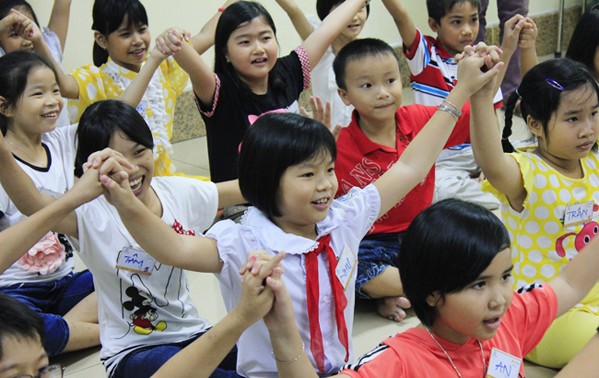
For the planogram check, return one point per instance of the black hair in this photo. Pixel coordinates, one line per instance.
(19, 321)
(585, 39)
(445, 248)
(323, 7)
(7, 5)
(232, 18)
(272, 144)
(359, 49)
(437, 9)
(101, 120)
(540, 92)
(108, 15)
(15, 68)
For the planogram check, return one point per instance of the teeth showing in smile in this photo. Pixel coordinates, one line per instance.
(135, 183)
(263, 60)
(50, 115)
(321, 201)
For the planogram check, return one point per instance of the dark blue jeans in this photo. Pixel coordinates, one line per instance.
(376, 253)
(144, 362)
(52, 300)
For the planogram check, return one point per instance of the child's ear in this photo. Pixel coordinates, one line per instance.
(434, 299)
(433, 24)
(100, 39)
(344, 97)
(4, 109)
(534, 126)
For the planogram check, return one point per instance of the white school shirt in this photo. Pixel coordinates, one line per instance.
(54, 180)
(129, 303)
(349, 219)
(324, 85)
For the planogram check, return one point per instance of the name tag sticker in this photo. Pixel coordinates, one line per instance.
(578, 213)
(135, 260)
(503, 365)
(346, 266)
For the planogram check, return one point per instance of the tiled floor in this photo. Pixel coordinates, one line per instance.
(369, 329)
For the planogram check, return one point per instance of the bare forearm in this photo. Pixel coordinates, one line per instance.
(59, 20)
(287, 346)
(69, 87)
(403, 21)
(298, 19)
(528, 59)
(200, 358)
(135, 91)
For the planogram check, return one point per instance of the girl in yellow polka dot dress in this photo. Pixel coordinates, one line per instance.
(124, 70)
(549, 192)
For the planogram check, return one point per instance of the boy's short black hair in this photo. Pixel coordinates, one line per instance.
(19, 321)
(445, 248)
(275, 142)
(358, 49)
(439, 8)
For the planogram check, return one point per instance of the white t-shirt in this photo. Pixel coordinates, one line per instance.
(325, 86)
(137, 309)
(55, 180)
(348, 220)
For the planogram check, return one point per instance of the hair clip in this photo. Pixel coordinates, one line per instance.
(555, 84)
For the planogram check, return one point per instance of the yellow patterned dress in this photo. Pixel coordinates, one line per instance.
(157, 106)
(559, 218)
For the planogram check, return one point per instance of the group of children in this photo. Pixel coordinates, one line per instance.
(341, 217)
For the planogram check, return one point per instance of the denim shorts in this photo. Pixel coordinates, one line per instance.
(144, 362)
(52, 300)
(376, 253)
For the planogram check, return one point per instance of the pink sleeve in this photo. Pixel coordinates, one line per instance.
(305, 62)
(210, 113)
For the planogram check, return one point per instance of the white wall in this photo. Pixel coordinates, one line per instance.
(192, 14)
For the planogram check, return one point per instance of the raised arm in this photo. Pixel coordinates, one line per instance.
(500, 169)
(156, 237)
(133, 94)
(403, 21)
(17, 239)
(300, 22)
(527, 44)
(59, 20)
(417, 160)
(200, 358)
(319, 41)
(205, 37)
(577, 278)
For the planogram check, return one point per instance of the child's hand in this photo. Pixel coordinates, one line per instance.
(115, 180)
(88, 187)
(281, 318)
(171, 41)
(471, 62)
(321, 113)
(511, 33)
(528, 35)
(96, 159)
(11, 21)
(27, 28)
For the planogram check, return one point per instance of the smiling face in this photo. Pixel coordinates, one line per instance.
(141, 157)
(476, 310)
(572, 130)
(40, 104)
(355, 26)
(252, 50)
(128, 45)
(373, 87)
(305, 193)
(22, 356)
(458, 28)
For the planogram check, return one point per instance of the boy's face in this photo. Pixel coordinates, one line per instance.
(373, 87)
(458, 28)
(22, 356)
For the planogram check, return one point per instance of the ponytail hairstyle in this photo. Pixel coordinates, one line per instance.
(234, 16)
(541, 89)
(108, 15)
(15, 69)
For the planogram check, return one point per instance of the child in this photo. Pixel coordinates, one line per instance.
(44, 277)
(248, 79)
(287, 172)
(457, 272)
(147, 315)
(322, 75)
(584, 44)
(124, 69)
(549, 193)
(54, 35)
